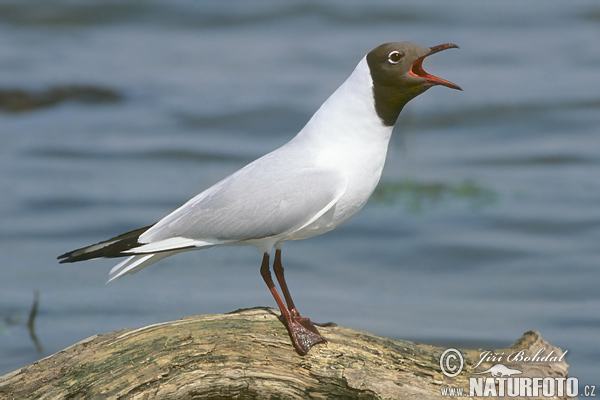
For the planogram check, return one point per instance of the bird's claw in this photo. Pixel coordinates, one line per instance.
(304, 334)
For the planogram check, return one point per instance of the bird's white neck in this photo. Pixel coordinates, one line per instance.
(349, 113)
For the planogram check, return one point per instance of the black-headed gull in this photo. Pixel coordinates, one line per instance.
(307, 187)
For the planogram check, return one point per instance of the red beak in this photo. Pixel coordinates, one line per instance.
(418, 71)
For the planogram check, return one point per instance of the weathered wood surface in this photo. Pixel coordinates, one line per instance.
(247, 354)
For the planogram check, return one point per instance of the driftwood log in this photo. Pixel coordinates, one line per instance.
(245, 355)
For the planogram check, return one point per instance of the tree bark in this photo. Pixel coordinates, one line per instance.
(247, 354)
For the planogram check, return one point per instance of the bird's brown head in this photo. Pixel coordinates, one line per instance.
(398, 76)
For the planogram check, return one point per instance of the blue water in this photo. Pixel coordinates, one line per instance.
(209, 86)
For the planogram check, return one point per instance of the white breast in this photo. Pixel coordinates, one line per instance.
(347, 135)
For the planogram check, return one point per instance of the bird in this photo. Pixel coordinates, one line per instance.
(310, 185)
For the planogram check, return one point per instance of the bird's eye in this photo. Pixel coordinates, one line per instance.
(394, 57)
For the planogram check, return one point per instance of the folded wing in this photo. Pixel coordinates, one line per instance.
(242, 208)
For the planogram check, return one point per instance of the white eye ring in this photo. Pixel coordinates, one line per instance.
(394, 57)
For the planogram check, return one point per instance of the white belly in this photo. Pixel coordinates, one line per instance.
(363, 177)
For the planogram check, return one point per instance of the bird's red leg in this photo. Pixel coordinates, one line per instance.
(266, 274)
(278, 269)
(303, 334)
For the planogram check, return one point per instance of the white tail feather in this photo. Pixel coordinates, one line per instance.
(135, 263)
(174, 243)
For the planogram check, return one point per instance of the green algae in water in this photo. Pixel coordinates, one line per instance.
(419, 197)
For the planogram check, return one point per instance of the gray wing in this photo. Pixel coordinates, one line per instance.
(253, 203)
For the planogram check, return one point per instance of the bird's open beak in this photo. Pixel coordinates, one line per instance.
(418, 71)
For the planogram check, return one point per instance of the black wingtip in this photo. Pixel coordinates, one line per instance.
(109, 248)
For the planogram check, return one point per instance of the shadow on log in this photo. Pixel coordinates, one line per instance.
(247, 354)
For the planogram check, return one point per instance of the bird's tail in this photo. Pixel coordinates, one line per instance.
(113, 247)
(135, 263)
